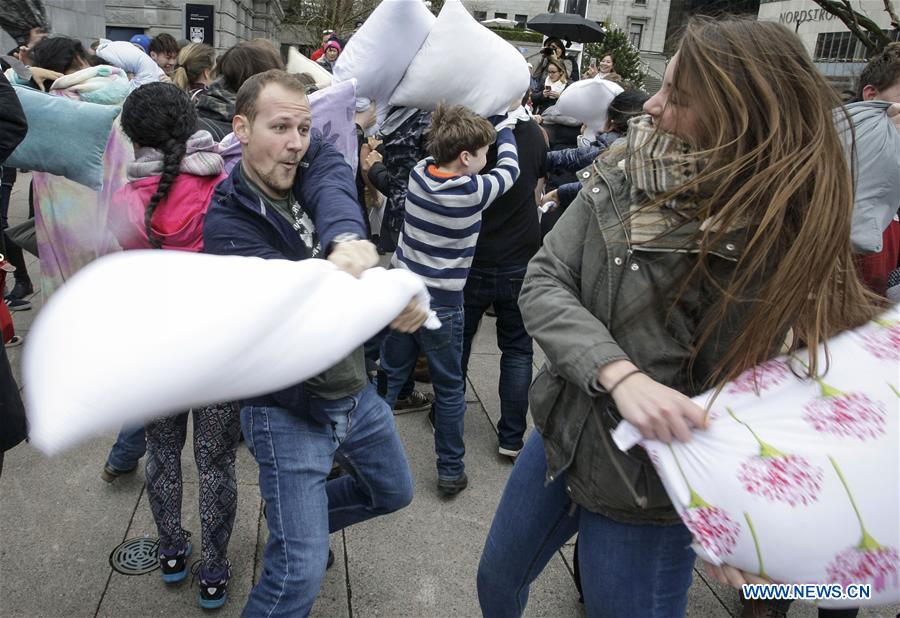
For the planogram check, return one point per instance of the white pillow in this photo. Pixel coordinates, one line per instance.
(588, 101)
(298, 63)
(130, 59)
(149, 354)
(799, 479)
(464, 63)
(379, 53)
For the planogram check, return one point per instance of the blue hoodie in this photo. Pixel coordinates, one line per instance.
(239, 223)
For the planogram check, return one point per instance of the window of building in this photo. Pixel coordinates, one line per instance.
(640, 2)
(521, 21)
(479, 15)
(499, 15)
(838, 46)
(636, 33)
(122, 33)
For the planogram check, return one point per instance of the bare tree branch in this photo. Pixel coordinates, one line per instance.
(892, 13)
(862, 26)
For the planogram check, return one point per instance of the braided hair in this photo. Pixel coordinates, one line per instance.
(160, 116)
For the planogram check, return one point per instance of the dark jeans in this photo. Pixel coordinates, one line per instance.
(372, 350)
(130, 446)
(500, 287)
(627, 569)
(443, 348)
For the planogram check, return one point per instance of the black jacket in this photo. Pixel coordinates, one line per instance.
(13, 125)
(13, 128)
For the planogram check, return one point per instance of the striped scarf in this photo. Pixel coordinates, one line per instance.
(201, 159)
(655, 163)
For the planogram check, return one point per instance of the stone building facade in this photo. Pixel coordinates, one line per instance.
(231, 21)
(82, 19)
(644, 20)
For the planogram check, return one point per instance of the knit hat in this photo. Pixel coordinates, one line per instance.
(333, 44)
(142, 40)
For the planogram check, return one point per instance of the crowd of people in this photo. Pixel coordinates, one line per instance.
(681, 246)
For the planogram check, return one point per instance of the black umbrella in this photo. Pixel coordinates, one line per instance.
(567, 26)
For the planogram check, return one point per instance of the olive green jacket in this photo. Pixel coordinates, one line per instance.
(590, 298)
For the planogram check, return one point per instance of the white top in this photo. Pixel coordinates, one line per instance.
(557, 86)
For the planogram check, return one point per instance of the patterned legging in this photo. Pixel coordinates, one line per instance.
(216, 432)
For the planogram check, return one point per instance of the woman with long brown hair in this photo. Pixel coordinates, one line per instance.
(719, 234)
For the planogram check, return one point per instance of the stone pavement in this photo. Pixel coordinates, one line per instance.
(59, 522)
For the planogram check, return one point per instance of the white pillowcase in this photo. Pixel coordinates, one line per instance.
(463, 63)
(799, 479)
(137, 355)
(588, 101)
(298, 63)
(130, 59)
(379, 53)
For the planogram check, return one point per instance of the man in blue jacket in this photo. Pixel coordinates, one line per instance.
(293, 197)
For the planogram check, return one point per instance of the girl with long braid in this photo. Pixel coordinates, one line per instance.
(171, 184)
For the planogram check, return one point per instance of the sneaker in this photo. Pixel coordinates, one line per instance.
(20, 290)
(512, 453)
(416, 402)
(18, 304)
(452, 487)
(109, 473)
(213, 585)
(174, 566)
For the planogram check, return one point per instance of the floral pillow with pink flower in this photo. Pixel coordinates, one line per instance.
(798, 480)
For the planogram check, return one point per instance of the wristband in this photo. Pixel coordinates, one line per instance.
(622, 379)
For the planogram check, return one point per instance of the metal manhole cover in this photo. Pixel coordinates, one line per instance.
(135, 556)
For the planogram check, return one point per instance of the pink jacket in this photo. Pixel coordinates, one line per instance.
(178, 219)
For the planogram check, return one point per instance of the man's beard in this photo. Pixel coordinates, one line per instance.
(271, 182)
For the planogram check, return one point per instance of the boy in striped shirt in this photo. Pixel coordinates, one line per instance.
(444, 202)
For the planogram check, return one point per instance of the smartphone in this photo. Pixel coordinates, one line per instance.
(593, 63)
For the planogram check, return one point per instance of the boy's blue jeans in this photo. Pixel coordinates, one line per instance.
(443, 348)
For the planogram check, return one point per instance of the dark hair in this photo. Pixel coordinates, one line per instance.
(245, 103)
(161, 116)
(883, 70)
(59, 53)
(626, 105)
(193, 60)
(244, 60)
(456, 129)
(555, 41)
(164, 43)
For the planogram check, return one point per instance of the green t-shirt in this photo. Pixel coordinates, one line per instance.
(348, 376)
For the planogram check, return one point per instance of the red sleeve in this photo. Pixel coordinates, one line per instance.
(317, 54)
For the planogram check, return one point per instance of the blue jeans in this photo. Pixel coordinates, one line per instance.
(295, 452)
(500, 287)
(443, 348)
(130, 446)
(626, 570)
